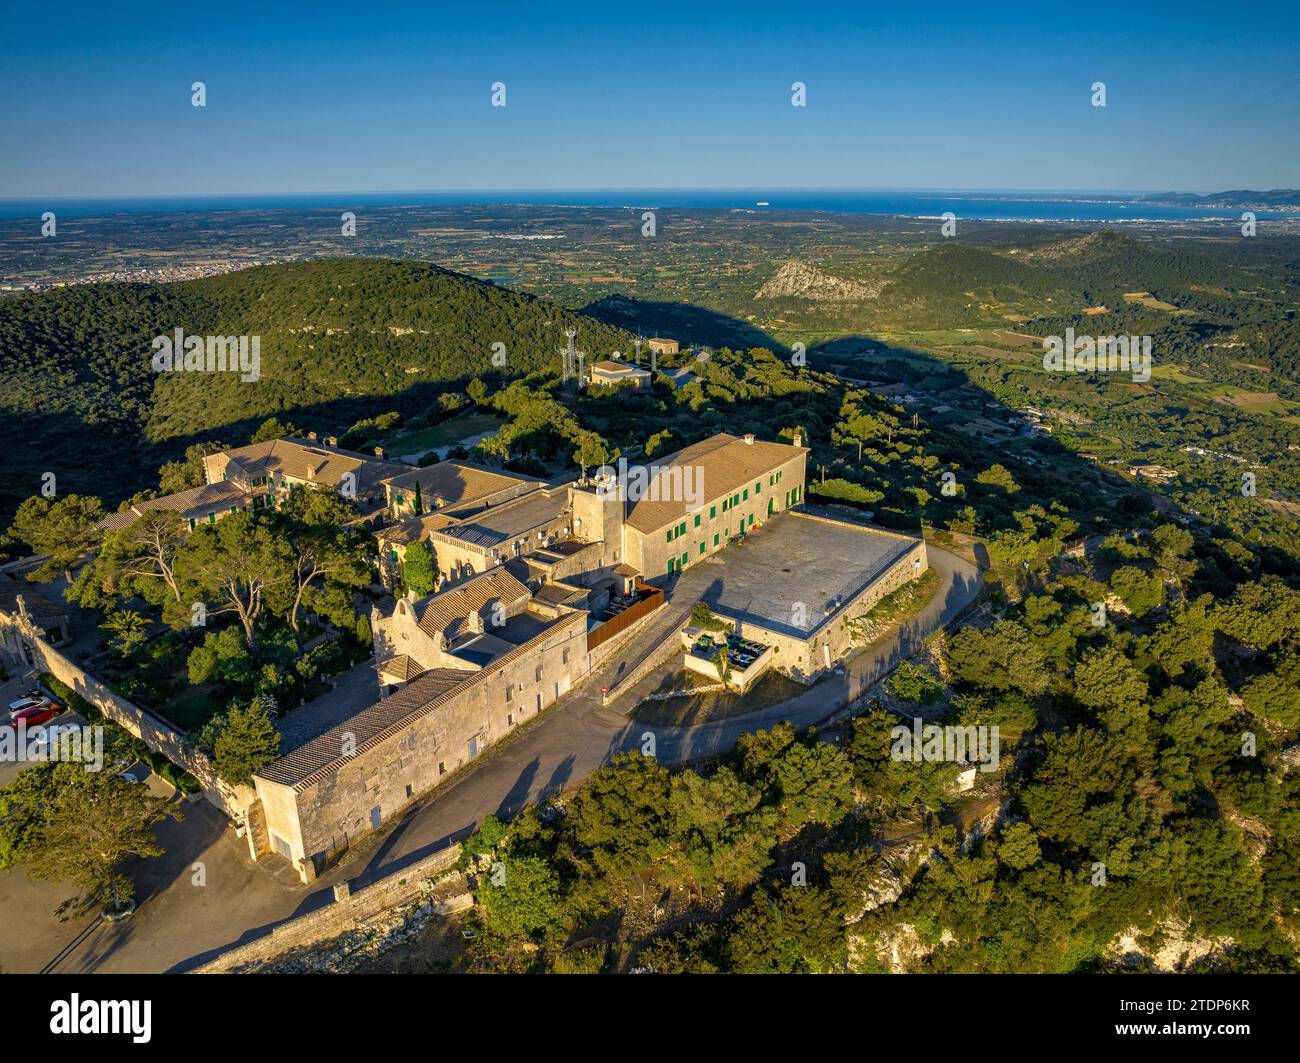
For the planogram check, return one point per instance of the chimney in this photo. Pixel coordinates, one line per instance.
(21, 602)
(311, 436)
(379, 452)
(798, 439)
(331, 441)
(749, 439)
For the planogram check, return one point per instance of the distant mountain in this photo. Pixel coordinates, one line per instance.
(340, 339)
(1244, 199)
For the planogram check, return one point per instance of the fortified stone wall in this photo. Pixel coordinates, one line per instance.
(345, 913)
(155, 732)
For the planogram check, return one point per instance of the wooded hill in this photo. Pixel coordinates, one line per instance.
(341, 339)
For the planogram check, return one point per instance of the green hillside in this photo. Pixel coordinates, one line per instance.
(340, 340)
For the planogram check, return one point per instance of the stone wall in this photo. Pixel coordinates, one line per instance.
(361, 792)
(155, 732)
(348, 910)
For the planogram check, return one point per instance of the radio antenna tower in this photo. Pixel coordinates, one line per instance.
(571, 364)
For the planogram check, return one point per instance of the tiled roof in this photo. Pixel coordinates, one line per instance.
(453, 483)
(196, 501)
(444, 613)
(727, 465)
(321, 756)
(402, 667)
(510, 520)
(618, 368)
(39, 607)
(313, 462)
(370, 725)
(415, 529)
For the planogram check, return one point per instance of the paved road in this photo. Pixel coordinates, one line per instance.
(179, 926)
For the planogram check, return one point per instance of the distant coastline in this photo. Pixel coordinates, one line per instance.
(1010, 205)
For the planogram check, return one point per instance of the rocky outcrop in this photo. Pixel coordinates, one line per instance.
(798, 280)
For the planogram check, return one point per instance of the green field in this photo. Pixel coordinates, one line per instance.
(459, 428)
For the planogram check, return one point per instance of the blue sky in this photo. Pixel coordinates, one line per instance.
(325, 98)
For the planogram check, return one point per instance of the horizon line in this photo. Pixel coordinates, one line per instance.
(551, 190)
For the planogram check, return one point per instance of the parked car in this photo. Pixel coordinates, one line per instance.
(28, 701)
(36, 715)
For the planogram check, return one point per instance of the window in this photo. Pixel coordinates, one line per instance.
(392, 555)
(713, 512)
(510, 693)
(442, 767)
(715, 538)
(751, 520)
(697, 520)
(726, 504)
(685, 557)
(668, 537)
(537, 675)
(681, 528)
(745, 496)
(510, 720)
(564, 657)
(410, 790)
(701, 548)
(758, 487)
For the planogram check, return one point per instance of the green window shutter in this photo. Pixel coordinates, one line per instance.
(715, 538)
(697, 520)
(701, 548)
(713, 512)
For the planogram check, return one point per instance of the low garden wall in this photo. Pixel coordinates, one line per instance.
(153, 731)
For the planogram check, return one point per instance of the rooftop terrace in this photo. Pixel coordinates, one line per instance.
(795, 560)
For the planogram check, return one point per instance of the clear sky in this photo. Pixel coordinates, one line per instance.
(374, 96)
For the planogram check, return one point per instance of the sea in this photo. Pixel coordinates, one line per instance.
(1022, 205)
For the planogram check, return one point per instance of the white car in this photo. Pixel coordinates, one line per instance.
(28, 701)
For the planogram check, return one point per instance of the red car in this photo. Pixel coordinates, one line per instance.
(39, 715)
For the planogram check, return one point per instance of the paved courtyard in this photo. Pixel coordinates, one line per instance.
(793, 562)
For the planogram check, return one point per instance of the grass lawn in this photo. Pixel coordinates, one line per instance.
(446, 434)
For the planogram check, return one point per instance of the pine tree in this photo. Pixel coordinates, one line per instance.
(248, 743)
